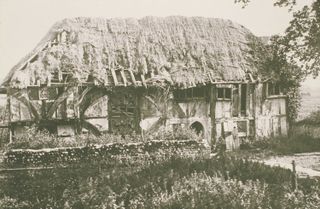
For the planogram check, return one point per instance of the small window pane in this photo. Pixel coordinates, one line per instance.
(228, 93)
(277, 89)
(189, 93)
(220, 93)
(270, 89)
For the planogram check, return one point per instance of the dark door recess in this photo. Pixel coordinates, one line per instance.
(123, 113)
(243, 99)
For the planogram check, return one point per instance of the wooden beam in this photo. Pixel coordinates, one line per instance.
(240, 100)
(114, 76)
(143, 80)
(132, 77)
(27, 103)
(91, 128)
(213, 98)
(91, 98)
(123, 77)
(106, 83)
(58, 101)
(248, 100)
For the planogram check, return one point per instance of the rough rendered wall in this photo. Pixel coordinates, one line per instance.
(171, 113)
(97, 114)
(271, 118)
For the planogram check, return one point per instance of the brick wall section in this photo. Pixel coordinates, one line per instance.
(115, 153)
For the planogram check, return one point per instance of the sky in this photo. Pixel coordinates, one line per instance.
(23, 23)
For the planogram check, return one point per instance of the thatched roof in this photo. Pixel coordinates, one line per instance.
(181, 51)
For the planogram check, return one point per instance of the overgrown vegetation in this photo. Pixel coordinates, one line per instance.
(286, 145)
(36, 139)
(312, 119)
(301, 40)
(272, 63)
(222, 182)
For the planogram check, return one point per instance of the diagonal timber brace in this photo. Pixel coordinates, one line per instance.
(20, 97)
(60, 99)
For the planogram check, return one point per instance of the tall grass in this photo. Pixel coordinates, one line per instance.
(287, 145)
(222, 182)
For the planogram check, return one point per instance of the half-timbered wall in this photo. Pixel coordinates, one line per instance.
(254, 109)
(270, 112)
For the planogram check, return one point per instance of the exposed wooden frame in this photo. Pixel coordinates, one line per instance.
(28, 104)
(212, 97)
(59, 100)
(143, 80)
(114, 76)
(132, 77)
(123, 77)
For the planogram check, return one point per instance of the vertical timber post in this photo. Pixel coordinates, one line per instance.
(294, 176)
(212, 102)
(9, 116)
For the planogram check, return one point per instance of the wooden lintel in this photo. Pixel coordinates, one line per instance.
(123, 77)
(114, 76)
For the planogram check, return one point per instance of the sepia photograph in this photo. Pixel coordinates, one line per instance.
(171, 104)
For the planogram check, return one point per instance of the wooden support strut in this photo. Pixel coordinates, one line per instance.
(28, 104)
(213, 96)
(114, 76)
(58, 101)
(132, 77)
(143, 80)
(123, 77)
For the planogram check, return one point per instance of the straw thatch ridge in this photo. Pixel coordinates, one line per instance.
(181, 51)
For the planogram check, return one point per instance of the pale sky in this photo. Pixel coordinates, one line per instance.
(23, 23)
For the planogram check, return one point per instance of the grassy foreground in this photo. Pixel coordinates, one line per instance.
(222, 182)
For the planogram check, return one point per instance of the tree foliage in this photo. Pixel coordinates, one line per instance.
(301, 41)
(272, 62)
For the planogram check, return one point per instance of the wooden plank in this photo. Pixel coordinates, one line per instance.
(143, 80)
(106, 83)
(240, 99)
(27, 103)
(213, 98)
(123, 77)
(59, 101)
(132, 77)
(114, 76)
(248, 100)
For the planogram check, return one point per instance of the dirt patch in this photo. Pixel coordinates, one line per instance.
(307, 164)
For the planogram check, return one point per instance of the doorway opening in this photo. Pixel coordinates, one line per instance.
(198, 128)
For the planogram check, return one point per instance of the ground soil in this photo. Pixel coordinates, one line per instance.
(307, 164)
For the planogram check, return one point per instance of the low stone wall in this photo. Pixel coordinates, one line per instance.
(110, 154)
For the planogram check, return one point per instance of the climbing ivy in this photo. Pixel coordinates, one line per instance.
(272, 63)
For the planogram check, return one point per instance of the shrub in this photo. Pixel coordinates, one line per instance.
(38, 139)
(173, 183)
(285, 145)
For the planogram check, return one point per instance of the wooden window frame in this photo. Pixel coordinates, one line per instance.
(224, 98)
(190, 94)
(273, 89)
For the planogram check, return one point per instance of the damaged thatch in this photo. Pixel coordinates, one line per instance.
(183, 51)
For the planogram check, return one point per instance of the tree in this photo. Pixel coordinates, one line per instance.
(301, 41)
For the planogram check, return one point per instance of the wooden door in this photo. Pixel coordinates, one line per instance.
(123, 113)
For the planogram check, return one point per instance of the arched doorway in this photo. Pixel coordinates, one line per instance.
(198, 128)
